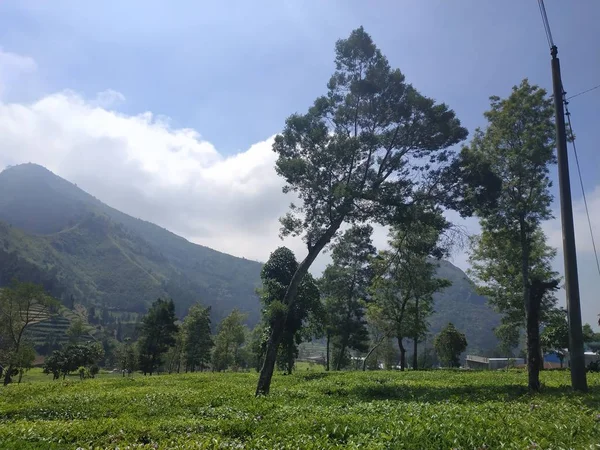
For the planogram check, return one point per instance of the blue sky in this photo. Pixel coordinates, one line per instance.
(233, 72)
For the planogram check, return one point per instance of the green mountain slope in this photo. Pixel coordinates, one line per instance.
(467, 310)
(65, 237)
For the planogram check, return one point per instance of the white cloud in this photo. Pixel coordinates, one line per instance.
(141, 165)
(109, 98)
(12, 66)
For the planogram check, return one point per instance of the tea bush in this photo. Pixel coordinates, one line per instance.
(378, 410)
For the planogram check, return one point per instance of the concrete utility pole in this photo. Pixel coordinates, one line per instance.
(577, 357)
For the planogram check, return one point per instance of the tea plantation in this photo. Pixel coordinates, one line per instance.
(378, 410)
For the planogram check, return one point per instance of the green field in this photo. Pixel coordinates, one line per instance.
(416, 410)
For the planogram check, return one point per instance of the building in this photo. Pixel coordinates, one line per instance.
(483, 363)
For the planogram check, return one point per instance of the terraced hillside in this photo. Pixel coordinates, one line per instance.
(50, 329)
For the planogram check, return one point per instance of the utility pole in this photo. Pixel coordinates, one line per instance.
(577, 357)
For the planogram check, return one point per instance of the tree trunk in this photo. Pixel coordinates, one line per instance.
(8, 375)
(402, 354)
(340, 355)
(531, 315)
(533, 344)
(327, 354)
(415, 362)
(290, 363)
(416, 336)
(364, 367)
(266, 373)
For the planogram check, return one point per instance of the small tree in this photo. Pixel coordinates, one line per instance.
(76, 330)
(198, 341)
(362, 152)
(175, 354)
(157, 334)
(231, 336)
(127, 357)
(449, 344)
(72, 358)
(292, 319)
(555, 336)
(21, 305)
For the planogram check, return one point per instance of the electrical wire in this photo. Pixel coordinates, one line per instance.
(583, 92)
(587, 211)
(546, 23)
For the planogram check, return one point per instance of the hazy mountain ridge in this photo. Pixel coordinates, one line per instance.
(57, 234)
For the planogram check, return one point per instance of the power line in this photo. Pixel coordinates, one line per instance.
(583, 92)
(546, 23)
(587, 211)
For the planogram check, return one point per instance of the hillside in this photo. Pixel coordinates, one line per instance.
(56, 234)
(76, 245)
(467, 310)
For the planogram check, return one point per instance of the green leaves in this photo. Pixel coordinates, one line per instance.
(231, 336)
(157, 334)
(449, 344)
(350, 410)
(351, 155)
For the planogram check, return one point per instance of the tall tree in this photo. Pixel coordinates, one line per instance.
(518, 148)
(157, 334)
(291, 319)
(406, 275)
(345, 283)
(21, 304)
(231, 336)
(449, 344)
(198, 341)
(361, 152)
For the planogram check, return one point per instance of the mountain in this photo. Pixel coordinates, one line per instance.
(57, 234)
(84, 251)
(467, 310)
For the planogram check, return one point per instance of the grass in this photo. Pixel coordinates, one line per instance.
(379, 410)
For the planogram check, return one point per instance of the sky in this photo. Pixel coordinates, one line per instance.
(167, 110)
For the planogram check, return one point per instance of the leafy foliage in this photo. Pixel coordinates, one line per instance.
(449, 344)
(72, 357)
(350, 410)
(291, 320)
(511, 257)
(344, 286)
(157, 334)
(406, 278)
(197, 339)
(230, 338)
(127, 357)
(21, 305)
